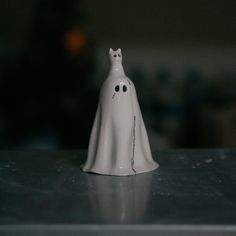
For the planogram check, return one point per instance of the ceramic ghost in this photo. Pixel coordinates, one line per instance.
(118, 143)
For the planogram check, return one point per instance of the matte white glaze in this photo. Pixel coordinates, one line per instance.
(118, 143)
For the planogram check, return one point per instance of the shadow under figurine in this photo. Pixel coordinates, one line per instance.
(118, 143)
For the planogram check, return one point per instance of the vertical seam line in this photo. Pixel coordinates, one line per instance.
(132, 160)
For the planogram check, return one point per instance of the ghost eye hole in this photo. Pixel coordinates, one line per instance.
(117, 88)
(119, 55)
(114, 55)
(124, 88)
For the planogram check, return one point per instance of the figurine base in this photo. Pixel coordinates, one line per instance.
(120, 172)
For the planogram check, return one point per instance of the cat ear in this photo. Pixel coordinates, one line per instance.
(119, 50)
(111, 50)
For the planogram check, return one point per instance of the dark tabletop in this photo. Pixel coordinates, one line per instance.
(192, 189)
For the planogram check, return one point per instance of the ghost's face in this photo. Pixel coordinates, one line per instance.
(119, 105)
(121, 89)
(115, 56)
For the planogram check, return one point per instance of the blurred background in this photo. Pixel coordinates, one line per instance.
(181, 55)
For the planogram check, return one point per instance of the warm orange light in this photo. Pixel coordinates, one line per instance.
(75, 41)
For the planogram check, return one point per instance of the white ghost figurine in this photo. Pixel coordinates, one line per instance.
(118, 143)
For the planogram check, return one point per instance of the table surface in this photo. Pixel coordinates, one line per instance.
(46, 190)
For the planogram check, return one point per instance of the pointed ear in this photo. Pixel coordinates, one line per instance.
(119, 50)
(111, 50)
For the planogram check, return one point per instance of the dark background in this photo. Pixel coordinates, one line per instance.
(181, 55)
